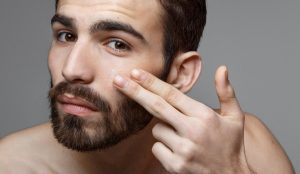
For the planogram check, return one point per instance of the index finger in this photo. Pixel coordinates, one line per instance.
(168, 92)
(153, 103)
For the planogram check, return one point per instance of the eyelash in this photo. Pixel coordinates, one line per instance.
(125, 44)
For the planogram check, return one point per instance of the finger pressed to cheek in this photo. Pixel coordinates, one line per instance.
(120, 81)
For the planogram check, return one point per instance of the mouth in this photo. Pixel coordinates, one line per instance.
(76, 106)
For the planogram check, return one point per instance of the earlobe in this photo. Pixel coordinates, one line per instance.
(185, 71)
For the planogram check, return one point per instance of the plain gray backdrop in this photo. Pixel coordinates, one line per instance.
(259, 40)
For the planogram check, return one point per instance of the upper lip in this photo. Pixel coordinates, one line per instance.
(76, 101)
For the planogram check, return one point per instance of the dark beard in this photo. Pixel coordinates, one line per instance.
(88, 135)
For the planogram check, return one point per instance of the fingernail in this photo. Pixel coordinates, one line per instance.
(120, 81)
(137, 74)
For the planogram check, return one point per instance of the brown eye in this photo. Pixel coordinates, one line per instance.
(118, 45)
(66, 37)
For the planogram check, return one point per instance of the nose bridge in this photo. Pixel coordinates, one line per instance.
(76, 67)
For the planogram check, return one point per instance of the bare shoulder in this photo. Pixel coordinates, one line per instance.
(24, 149)
(25, 140)
(264, 153)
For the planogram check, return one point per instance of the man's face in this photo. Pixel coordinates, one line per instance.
(92, 42)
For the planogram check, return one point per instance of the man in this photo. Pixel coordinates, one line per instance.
(118, 78)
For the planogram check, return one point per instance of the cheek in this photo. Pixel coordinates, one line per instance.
(55, 65)
(154, 65)
(107, 69)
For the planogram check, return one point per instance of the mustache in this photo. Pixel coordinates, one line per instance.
(80, 91)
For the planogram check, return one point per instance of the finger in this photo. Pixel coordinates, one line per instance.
(164, 155)
(228, 101)
(165, 134)
(150, 101)
(169, 93)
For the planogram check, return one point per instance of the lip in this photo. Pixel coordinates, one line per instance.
(76, 101)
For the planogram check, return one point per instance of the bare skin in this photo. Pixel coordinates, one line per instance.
(185, 136)
(35, 150)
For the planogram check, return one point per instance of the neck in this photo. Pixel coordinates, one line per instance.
(132, 154)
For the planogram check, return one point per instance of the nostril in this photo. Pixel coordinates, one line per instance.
(78, 81)
(82, 77)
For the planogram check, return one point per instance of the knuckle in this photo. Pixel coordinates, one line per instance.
(158, 102)
(195, 136)
(158, 105)
(208, 118)
(179, 167)
(187, 151)
(170, 168)
(171, 94)
(149, 81)
(135, 89)
(228, 96)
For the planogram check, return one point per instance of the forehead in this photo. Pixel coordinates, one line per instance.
(141, 12)
(143, 15)
(127, 4)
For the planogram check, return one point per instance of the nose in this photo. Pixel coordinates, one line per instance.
(78, 65)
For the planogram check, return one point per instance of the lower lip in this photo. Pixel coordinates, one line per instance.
(77, 110)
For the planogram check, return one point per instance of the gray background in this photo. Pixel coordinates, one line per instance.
(259, 40)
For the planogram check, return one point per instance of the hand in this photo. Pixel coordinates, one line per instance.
(192, 137)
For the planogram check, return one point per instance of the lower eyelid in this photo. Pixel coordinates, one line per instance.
(117, 53)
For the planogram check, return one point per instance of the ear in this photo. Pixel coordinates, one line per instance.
(185, 70)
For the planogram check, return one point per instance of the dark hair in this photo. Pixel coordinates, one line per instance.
(183, 22)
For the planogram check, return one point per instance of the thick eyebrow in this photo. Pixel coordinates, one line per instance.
(64, 20)
(109, 25)
(105, 25)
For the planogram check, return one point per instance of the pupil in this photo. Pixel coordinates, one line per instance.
(120, 45)
(69, 37)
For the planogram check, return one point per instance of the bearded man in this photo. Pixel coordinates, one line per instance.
(119, 73)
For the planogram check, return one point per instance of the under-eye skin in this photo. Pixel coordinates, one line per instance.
(118, 47)
(65, 36)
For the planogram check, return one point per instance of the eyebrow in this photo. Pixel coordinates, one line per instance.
(104, 25)
(64, 20)
(109, 25)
